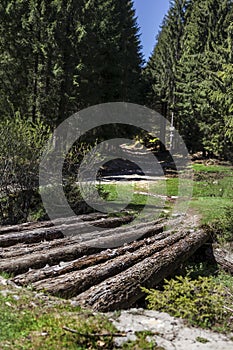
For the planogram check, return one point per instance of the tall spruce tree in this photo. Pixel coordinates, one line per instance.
(204, 53)
(111, 54)
(189, 73)
(38, 48)
(161, 69)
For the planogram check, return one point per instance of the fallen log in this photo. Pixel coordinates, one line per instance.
(75, 282)
(74, 250)
(83, 262)
(23, 250)
(51, 233)
(48, 223)
(123, 290)
(222, 257)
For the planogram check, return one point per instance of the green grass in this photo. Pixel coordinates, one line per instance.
(29, 323)
(211, 168)
(212, 191)
(210, 208)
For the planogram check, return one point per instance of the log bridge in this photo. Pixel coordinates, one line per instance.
(83, 266)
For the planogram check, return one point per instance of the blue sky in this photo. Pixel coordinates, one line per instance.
(150, 14)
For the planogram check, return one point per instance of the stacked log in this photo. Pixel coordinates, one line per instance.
(124, 289)
(102, 270)
(48, 233)
(71, 248)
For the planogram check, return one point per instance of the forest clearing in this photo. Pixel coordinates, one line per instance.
(116, 186)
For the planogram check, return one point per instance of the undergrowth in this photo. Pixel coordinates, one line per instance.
(202, 296)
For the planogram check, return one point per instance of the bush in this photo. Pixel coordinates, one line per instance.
(21, 145)
(200, 301)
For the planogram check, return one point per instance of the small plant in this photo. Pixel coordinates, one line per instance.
(202, 340)
(142, 342)
(200, 301)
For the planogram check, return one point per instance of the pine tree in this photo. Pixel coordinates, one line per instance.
(162, 66)
(38, 55)
(160, 73)
(60, 56)
(189, 72)
(204, 53)
(111, 55)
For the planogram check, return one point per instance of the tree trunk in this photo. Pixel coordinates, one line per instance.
(75, 282)
(222, 257)
(50, 233)
(123, 290)
(71, 249)
(68, 268)
(56, 222)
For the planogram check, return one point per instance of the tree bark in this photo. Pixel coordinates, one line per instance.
(50, 233)
(50, 273)
(74, 283)
(123, 290)
(56, 222)
(71, 249)
(222, 257)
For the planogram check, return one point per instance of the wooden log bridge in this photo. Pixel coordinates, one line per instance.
(104, 276)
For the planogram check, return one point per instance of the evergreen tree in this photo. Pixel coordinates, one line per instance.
(162, 66)
(189, 73)
(111, 55)
(37, 54)
(204, 53)
(60, 56)
(161, 70)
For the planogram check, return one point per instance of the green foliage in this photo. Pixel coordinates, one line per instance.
(21, 144)
(191, 77)
(67, 55)
(142, 342)
(200, 301)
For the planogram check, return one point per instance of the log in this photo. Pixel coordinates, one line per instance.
(83, 262)
(74, 250)
(222, 257)
(51, 233)
(123, 290)
(74, 283)
(24, 250)
(68, 220)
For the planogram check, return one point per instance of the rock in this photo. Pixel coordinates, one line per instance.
(169, 332)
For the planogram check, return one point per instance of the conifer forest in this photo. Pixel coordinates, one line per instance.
(58, 57)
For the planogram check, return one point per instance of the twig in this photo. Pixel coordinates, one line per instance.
(228, 308)
(94, 334)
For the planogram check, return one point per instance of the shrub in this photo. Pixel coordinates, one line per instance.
(200, 301)
(21, 144)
